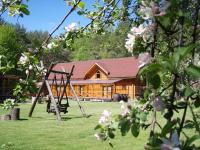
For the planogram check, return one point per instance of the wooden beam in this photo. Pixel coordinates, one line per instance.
(78, 101)
(41, 88)
(59, 72)
(36, 99)
(53, 100)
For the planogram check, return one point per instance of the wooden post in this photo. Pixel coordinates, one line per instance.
(41, 88)
(78, 101)
(133, 91)
(36, 99)
(15, 114)
(53, 101)
(5, 117)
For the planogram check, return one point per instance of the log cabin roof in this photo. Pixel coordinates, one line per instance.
(79, 82)
(116, 68)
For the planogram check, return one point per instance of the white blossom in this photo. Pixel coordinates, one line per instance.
(172, 143)
(130, 42)
(27, 72)
(30, 67)
(146, 12)
(144, 58)
(71, 27)
(138, 30)
(158, 104)
(163, 6)
(125, 112)
(51, 45)
(103, 120)
(143, 31)
(23, 59)
(106, 113)
(100, 136)
(122, 105)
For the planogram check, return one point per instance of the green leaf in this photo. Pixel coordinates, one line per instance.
(98, 127)
(181, 53)
(197, 103)
(194, 71)
(80, 12)
(189, 124)
(192, 139)
(125, 127)
(111, 135)
(188, 91)
(167, 64)
(167, 128)
(151, 68)
(111, 145)
(81, 5)
(154, 80)
(23, 9)
(135, 129)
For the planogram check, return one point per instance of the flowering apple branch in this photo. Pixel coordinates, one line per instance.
(62, 21)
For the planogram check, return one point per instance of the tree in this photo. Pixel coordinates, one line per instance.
(36, 38)
(107, 45)
(9, 46)
(165, 35)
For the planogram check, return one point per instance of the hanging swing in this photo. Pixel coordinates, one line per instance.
(55, 104)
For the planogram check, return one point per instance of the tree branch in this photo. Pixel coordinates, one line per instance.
(8, 6)
(194, 38)
(62, 21)
(183, 119)
(195, 119)
(100, 13)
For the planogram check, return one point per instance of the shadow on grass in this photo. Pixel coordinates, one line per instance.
(23, 119)
(74, 117)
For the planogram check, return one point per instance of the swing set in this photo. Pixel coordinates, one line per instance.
(55, 104)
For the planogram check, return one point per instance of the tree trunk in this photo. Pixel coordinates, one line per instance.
(5, 117)
(15, 112)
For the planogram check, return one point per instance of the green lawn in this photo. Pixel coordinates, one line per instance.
(44, 132)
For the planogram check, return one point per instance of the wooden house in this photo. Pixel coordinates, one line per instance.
(101, 79)
(7, 84)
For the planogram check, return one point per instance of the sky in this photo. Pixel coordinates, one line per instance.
(46, 15)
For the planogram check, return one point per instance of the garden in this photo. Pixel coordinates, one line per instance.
(43, 131)
(163, 35)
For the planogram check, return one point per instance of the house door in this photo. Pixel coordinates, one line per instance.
(107, 92)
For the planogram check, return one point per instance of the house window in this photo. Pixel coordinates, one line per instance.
(123, 87)
(81, 90)
(107, 91)
(98, 75)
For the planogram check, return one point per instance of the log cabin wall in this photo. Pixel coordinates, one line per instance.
(131, 87)
(7, 84)
(100, 79)
(95, 74)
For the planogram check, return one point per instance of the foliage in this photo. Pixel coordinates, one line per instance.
(172, 75)
(166, 30)
(8, 146)
(8, 43)
(9, 104)
(107, 45)
(14, 7)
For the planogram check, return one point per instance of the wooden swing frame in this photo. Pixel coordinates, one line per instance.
(57, 106)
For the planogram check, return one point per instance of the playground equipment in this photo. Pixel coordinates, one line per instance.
(55, 103)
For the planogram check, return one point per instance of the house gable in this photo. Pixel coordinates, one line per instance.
(96, 72)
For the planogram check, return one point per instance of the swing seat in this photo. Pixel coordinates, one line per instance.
(61, 108)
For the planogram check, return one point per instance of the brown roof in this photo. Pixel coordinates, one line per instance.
(118, 68)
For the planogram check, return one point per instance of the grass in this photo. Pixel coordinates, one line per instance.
(44, 132)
